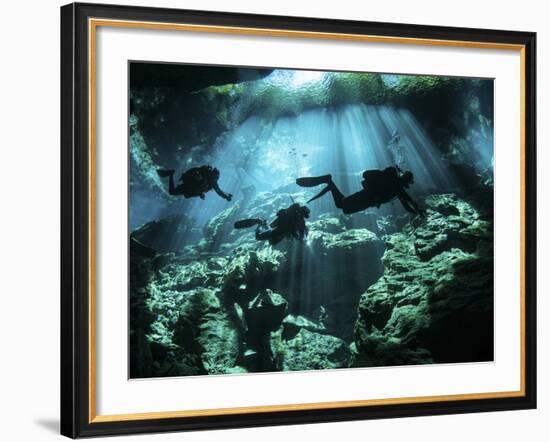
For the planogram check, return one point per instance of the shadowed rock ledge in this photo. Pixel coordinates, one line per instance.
(414, 292)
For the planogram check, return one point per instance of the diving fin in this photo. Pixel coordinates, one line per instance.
(319, 195)
(313, 181)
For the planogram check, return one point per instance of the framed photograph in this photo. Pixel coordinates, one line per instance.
(279, 220)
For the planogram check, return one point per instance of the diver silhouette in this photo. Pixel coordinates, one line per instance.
(195, 182)
(379, 187)
(289, 223)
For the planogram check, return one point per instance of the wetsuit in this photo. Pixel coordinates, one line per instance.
(195, 182)
(379, 187)
(290, 222)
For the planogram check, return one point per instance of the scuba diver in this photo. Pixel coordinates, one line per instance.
(289, 223)
(379, 187)
(195, 182)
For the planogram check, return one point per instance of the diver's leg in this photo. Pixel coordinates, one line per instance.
(171, 187)
(262, 234)
(273, 236)
(337, 196)
(165, 172)
(356, 202)
(170, 174)
(245, 223)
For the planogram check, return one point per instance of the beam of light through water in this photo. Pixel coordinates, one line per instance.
(343, 142)
(266, 133)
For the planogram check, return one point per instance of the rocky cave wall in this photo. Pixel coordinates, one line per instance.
(422, 294)
(365, 290)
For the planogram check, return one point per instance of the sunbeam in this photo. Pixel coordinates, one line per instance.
(237, 267)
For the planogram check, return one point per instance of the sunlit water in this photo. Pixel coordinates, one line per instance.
(342, 141)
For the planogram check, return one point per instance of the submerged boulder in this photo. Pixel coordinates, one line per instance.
(434, 302)
(205, 328)
(167, 234)
(311, 351)
(265, 313)
(342, 297)
(220, 227)
(293, 324)
(250, 272)
(331, 270)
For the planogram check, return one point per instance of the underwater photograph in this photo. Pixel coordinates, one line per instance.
(291, 220)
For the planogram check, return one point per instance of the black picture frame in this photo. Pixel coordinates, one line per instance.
(76, 417)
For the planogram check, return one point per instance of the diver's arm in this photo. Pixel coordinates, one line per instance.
(406, 204)
(409, 204)
(263, 233)
(220, 192)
